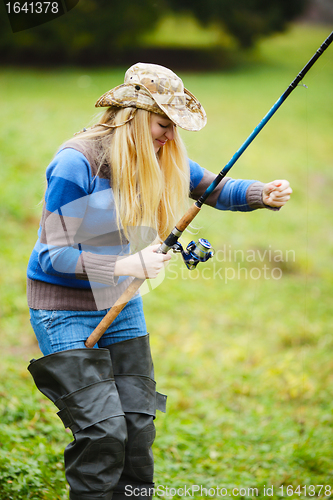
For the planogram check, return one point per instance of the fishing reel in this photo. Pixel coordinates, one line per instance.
(195, 252)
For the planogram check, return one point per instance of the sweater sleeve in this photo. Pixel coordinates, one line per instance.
(72, 243)
(230, 194)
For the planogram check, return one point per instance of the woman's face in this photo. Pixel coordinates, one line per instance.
(162, 130)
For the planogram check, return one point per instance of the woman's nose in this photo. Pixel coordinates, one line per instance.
(169, 134)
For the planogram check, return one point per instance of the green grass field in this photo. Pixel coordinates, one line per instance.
(242, 346)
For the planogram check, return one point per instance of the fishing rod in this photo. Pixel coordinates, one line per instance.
(201, 251)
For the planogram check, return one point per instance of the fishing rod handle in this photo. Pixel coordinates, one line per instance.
(113, 312)
(180, 228)
(137, 282)
(188, 217)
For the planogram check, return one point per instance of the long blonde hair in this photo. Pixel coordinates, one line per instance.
(149, 189)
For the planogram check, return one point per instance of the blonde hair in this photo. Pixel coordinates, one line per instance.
(150, 189)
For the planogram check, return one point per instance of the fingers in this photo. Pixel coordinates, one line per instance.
(154, 248)
(277, 193)
(144, 264)
(151, 262)
(282, 186)
(279, 186)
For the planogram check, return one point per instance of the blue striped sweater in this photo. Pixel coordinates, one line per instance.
(72, 264)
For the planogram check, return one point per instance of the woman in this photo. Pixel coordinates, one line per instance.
(112, 191)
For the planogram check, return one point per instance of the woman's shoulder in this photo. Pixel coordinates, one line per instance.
(70, 164)
(83, 156)
(78, 148)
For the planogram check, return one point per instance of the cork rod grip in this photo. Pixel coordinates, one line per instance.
(114, 311)
(188, 217)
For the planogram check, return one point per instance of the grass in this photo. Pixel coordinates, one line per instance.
(242, 350)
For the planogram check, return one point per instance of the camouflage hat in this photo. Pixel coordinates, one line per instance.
(157, 89)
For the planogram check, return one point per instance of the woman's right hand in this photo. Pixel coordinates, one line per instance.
(144, 264)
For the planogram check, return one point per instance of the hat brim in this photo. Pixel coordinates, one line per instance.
(189, 116)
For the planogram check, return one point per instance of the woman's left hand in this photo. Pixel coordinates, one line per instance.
(276, 193)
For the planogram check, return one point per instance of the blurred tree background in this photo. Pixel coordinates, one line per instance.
(100, 32)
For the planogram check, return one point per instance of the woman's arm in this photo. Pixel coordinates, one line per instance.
(78, 237)
(238, 194)
(77, 241)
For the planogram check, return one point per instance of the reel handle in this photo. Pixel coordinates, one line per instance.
(195, 252)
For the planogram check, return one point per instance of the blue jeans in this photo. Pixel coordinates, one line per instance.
(62, 330)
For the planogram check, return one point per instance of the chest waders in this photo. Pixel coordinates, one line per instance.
(108, 398)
